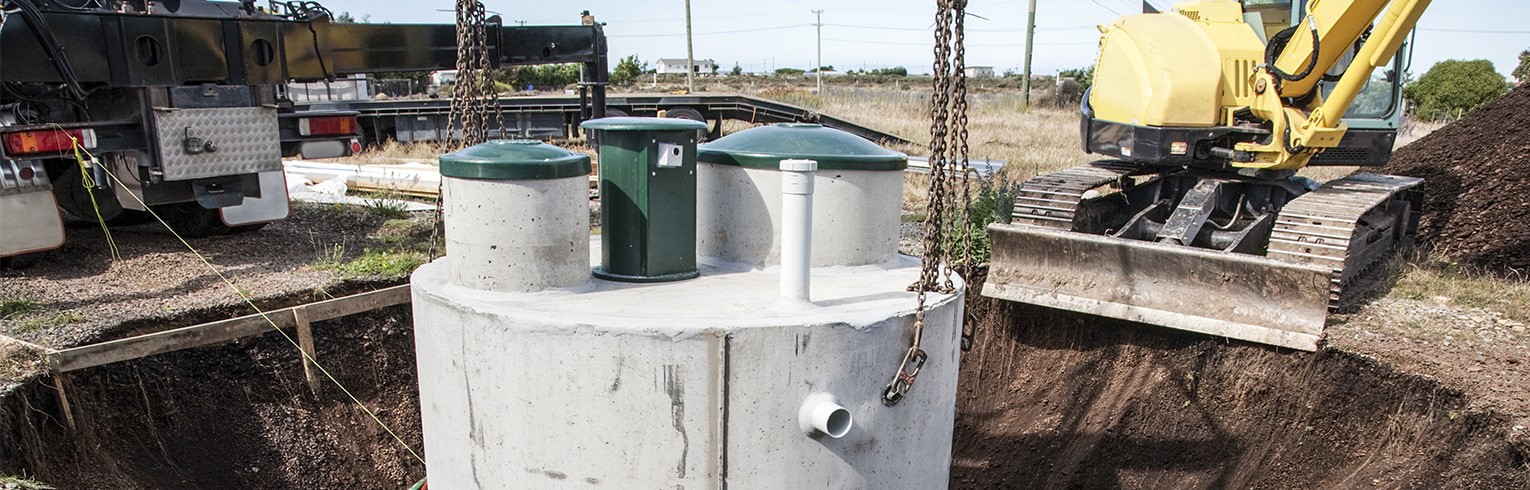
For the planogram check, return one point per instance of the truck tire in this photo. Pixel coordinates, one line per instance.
(191, 220)
(689, 114)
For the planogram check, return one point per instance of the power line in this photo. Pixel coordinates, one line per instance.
(1101, 5)
(736, 31)
(1471, 31)
(926, 29)
(891, 43)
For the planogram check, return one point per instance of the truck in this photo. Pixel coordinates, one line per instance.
(112, 108)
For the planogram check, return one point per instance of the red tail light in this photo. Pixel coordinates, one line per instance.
(48, 141)
(327, 125)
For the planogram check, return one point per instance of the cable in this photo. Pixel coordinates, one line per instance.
(758, 29)
(49, 43)
(1471, 31)
(892, 43)
(926, 29)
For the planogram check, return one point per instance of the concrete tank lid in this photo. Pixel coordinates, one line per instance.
(766, 146)
(514, 160)
(642, 124)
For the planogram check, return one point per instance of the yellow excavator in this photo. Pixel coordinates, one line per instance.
(1199, 221)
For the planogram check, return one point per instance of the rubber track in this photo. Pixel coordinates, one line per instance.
(1050, 200)
(1319, 227)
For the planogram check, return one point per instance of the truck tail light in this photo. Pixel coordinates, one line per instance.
(327, 125)
(47, 141)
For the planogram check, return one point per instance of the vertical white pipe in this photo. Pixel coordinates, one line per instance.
(796, 227)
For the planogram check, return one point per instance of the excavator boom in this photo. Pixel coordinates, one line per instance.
(1201, 223)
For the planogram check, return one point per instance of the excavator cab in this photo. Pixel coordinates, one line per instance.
(1198, 219)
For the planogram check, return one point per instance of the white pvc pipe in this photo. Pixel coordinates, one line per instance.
(821, 414)
(796, 227)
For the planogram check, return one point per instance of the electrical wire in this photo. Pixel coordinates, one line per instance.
(893, 43)
(715, 32)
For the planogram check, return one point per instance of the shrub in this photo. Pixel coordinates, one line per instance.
(1452, 87)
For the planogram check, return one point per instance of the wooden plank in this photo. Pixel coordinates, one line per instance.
(305, 342)
(220, 331)
(63, 399)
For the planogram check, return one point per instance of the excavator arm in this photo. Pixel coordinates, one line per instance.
(1302, 130)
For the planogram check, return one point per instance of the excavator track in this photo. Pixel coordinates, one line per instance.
(1350, 226)
(1052, 200)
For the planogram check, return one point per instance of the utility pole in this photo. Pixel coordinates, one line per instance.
(1030, 43)
(819, 69)
(690, 55)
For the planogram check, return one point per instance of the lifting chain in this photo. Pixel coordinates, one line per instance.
(474, 97)
(948, 158)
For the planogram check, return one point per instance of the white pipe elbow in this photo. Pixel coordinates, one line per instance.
(821, 414)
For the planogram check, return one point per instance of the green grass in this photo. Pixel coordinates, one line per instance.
(387, 206)
(38, 321)
(14, 307)
(377, 263)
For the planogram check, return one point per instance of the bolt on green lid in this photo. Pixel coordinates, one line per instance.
(766, 146)
(642, 124)
(514, 160)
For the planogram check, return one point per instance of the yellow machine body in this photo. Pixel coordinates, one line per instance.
(1176, 70)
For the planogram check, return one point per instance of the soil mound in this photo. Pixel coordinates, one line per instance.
(1476, 175)
(1050, 399)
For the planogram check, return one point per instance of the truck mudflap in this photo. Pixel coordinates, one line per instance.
(1231, 295)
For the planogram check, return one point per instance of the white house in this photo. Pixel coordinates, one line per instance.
(673, 65)
(979, 72)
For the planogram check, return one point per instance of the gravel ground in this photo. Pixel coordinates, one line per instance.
(79, 293)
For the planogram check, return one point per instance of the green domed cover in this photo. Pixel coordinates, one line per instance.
(766, 146)
(514, 160)
(642, 124)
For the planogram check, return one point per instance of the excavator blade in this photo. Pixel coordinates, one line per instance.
(1238, 296)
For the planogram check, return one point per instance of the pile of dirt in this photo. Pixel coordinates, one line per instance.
(1050, 399)
(1476, 175)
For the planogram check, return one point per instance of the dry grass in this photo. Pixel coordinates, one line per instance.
(1437, 280)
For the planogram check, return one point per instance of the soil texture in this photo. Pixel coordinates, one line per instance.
(1476, 175)
(1055, 400)
(237, 415)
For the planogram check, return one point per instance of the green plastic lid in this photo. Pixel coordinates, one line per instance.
(514, 160)
(642, 124)
(766, 146)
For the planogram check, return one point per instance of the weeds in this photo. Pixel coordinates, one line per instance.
(378, 263)
(14, 307)
(386, 205)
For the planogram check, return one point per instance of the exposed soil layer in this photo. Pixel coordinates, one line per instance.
(1476, 175)
(1055, 400)
(238, 415)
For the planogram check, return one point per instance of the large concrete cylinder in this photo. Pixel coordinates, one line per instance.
(856, 207)
(708, 383)
(517, 216)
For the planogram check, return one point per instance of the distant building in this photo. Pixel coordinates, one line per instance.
(671, 65)
(979, 72)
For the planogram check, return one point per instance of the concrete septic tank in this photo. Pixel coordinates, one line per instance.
(741, 377)
(857, 205)
(693, 384)
(516, 216)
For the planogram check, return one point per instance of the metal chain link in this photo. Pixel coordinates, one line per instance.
(473, 93)
(948, 132)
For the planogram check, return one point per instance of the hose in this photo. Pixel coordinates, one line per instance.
(45, 38)
(1278, 43)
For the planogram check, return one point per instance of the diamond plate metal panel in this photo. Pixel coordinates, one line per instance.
(247, 141)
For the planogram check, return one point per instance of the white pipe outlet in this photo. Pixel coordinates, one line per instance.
(821, 414)
(797, 227)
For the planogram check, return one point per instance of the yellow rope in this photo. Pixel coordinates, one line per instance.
(294, 342)
(88, 182)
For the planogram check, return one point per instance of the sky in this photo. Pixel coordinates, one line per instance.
(864, 34)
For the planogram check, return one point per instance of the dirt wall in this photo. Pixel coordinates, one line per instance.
(1053, 400)
(233, 416)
